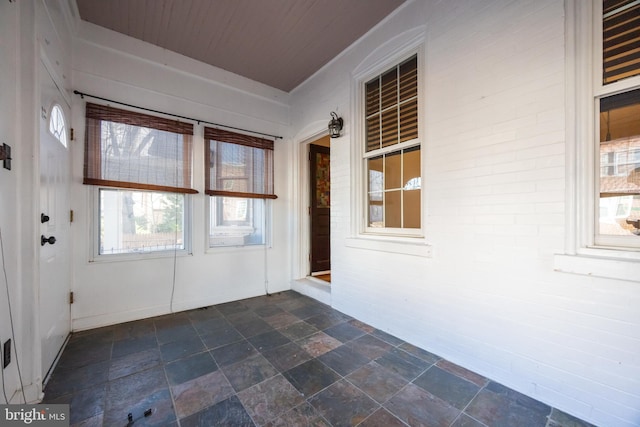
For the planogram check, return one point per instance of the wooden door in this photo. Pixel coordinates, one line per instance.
(320, 210)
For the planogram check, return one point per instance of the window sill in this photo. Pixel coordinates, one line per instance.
(396, 245)
(605, 263)
(138, 256)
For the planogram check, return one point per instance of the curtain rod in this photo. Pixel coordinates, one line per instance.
(82, 95)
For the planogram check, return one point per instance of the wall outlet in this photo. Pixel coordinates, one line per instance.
(6, 351)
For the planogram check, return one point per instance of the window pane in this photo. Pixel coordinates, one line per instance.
(375, 210)
(140, 221)
(393, 171)
(375, 174)
(619, 210)
(411, 209)
(236, 221)
(390, 127)
(411, 169)
(409, 120)
(393, 209)
(373, 132)
(373, 96)
(389, 90)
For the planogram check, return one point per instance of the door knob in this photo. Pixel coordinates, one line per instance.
(44, 218)
(44, 240)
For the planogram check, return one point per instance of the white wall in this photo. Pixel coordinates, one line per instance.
(494, 188)
(114, 66)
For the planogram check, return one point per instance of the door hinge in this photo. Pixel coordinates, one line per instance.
(72, 136)
(71, 215)
(70, 297)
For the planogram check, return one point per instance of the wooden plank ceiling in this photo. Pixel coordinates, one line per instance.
(276, 42)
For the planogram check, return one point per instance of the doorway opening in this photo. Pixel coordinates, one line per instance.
(320, 209)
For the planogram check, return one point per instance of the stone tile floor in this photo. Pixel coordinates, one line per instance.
(283, 360)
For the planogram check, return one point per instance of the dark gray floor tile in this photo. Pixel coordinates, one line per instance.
(231, 308)
(325, 320)
(203, 314)
(253, 327)
(448, 387)
(369, 346)
(171, 321)
(131, 330)
(561, 419)
(281, 320)
(249, 372)
(132, 363)
(388, 338)
(87, 403)
(377, 381)
(162, 412)
(71, 380)
(123, 391)
(342, 404)
(267, 310)
(95, 421)
(300, 416)
(298, 330)
(221, 337)
(211, 326)
(190, 367)
(382, 418)
(311, 377)
(344, 332)
(420, 353)
(134, 345)
(310, 310)
(181, 348)
(85, 352)
(478, 380)
(343, 360)
(367, 329)
(177, 333)
(417, 407)
(402, 363)
(229, 412)
(500, 406)
(270, 399)
(268, 341)
(287, 356)
(232, 353)
(466, 421)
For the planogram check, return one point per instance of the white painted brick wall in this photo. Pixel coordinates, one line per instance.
(494, 189)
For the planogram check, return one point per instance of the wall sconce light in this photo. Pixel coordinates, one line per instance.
(335, 125)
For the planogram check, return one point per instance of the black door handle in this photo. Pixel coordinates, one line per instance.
(44, 240)
(44, 218)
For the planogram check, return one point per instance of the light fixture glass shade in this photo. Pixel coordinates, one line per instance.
(335, 125)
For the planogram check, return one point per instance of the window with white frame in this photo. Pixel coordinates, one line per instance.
(239, 181)
(140, 167)
(617, 107)
(392, 151)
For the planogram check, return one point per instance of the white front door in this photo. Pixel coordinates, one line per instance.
(54, 220)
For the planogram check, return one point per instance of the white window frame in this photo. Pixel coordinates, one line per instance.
(96, 256)
(361, 155)
(267, 225)
(582, 253)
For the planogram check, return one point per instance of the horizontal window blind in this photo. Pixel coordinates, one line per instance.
(127, 149)
(620, 39)
(238, 165)
(391, 103)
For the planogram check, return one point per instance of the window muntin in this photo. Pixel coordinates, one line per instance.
(135, 222)
(57, 125)
(392, 150)
(239, 180)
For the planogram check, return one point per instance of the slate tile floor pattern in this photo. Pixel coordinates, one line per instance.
(278, 361)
